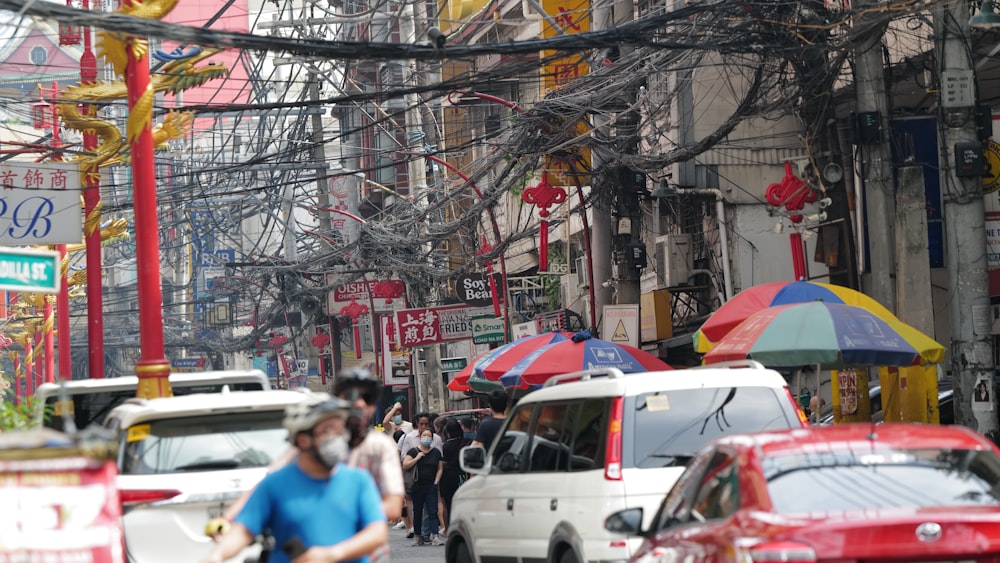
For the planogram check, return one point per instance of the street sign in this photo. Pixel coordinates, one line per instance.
(453, 364)
(29, 271)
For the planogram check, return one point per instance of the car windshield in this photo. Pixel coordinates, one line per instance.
(671, 426)
(841, 481)
(91, 408)
(203, 443)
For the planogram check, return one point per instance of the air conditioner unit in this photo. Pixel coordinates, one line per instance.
(582, 277)
(673, 260)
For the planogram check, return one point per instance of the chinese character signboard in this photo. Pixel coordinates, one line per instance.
(571, 16)
(40, 203)
(422, 327)
(385, 296)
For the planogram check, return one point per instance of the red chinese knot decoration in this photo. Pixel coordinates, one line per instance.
(354, 311)
(792, 192)
(543, 196)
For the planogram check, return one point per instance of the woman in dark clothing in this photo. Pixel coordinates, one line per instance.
(452, 474)
(425, 489)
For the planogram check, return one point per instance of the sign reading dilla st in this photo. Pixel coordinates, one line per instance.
(34, 271)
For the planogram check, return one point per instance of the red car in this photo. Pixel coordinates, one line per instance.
(847, 493)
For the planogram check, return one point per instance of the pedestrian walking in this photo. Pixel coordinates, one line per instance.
(422, 421)
(424, 493)
(452, 475)
(317, 508)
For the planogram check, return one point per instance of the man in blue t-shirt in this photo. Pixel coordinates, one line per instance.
(317, 508)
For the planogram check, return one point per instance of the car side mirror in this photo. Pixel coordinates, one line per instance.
(473, 459)
(628, 522)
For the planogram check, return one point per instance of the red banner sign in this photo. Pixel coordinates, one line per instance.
(421, 327)
(60, 510)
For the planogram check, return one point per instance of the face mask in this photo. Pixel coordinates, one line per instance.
(426, 441)
(469, 435)
(397, 419)
(332, 451)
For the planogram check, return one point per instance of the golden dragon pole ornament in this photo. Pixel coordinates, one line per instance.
(129, 56)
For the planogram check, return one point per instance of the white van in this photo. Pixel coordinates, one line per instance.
(90, 400)
(573, 452)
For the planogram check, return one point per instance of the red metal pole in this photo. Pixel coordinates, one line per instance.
(37, 348)
(29, 376)
(62, 297)
(49, 341)
(152, 368)
(62, 316)
(92, 224)
(19, 392)
(496, 233)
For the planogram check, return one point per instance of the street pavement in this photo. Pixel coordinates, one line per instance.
(402, 551)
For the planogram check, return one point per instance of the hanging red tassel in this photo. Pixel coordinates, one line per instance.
(354, 311)
(543, 196)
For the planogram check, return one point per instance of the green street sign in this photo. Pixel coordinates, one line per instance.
(453, 364)
(29, 271)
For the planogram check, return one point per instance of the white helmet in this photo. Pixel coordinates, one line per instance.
(303, 416)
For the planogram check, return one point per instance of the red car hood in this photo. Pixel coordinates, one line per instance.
(891, 534)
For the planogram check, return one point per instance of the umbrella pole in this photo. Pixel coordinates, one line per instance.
(819, 399)
(798, 386)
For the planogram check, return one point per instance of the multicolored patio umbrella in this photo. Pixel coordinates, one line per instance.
(503, 357)
(753, 299)
(579, 353)
(828, 335)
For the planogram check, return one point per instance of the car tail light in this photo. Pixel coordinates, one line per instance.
(798, 408)
(782, 552)
(130, 497)
(613, 448)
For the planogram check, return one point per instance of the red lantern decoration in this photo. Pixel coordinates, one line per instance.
(69, 34)
(543, 196)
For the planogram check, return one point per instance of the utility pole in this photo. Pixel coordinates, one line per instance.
(964, 214)
(430, 389)
(319, 155)
(873, 138)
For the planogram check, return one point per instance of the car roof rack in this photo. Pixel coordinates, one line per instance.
(733, 364)
(585, 375)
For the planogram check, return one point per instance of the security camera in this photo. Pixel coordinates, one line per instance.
(437, 37)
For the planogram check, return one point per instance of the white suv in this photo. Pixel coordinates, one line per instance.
(573, 452)
(181, 460)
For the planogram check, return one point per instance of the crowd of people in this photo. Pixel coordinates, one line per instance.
(334, 493)
(431, 450)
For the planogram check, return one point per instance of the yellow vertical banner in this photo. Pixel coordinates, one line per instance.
(571, 16)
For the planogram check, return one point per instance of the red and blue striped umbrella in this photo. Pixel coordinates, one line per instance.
(830, 335)
(500, 359)
(581, 352)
